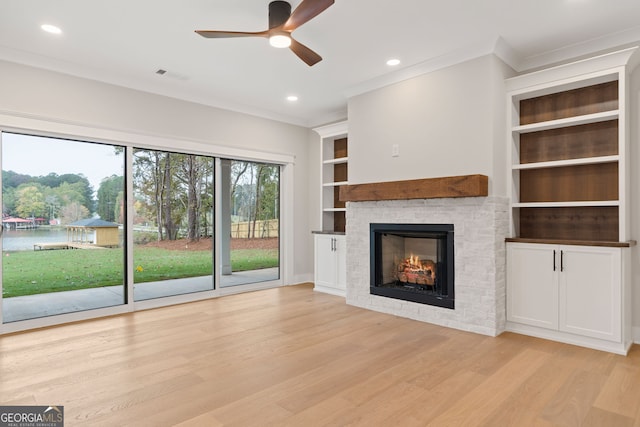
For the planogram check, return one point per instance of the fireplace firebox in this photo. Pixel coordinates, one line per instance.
(413, 262)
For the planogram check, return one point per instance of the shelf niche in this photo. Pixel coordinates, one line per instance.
(591, 182)
(571, 103)
(573, 142)
(583, 223)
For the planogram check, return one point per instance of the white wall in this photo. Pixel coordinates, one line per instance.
(446, 123)
(57, 98)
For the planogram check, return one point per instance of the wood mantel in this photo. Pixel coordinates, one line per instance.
(429, 188)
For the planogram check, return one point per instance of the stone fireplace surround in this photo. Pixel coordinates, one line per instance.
(480, 227)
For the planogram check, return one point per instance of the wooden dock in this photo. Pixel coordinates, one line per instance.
(64, 245)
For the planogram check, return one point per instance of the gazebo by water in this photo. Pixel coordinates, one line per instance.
(94, 231)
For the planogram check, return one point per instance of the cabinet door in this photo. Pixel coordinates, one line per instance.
(325, 260)
(532, 285)
(590, 292)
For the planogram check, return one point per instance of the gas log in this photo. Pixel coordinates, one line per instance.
(415, 271)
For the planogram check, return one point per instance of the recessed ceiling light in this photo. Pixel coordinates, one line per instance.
(393, 62)
(51, 29)
(292, 98)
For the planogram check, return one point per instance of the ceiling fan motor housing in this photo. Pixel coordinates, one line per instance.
(279, 12)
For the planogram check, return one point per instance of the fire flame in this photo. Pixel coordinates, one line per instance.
(413, 270)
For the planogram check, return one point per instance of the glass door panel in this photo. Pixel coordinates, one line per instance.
(172, 223)
(63, 226)
(250, 242)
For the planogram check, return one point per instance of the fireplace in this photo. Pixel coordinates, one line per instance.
(481, 223)
(413, 262)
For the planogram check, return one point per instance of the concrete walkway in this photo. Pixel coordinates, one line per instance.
(50, 304)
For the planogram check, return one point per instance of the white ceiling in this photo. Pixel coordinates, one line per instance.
(124, 42)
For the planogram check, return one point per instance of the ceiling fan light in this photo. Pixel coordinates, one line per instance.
(280, 40)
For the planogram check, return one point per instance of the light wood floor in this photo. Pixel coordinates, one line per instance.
(290, 356)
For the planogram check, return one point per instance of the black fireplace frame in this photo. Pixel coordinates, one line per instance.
(445, 297)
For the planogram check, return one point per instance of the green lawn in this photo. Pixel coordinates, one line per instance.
(34, 272)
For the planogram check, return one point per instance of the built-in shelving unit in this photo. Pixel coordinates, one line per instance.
(569, 153)
(330, 274)
(568, 257)
(334, 175)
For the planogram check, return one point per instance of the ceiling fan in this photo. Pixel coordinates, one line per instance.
(281, 24)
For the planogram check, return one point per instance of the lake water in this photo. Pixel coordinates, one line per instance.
(23, 240)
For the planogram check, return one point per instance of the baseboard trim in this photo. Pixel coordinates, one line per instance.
(301, 278)
(328, 290)
(568, 338)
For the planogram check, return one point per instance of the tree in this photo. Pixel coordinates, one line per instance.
(108, 193)
(64, 189)
(192, 173)
(267, 195)
(170, 226)
(73, 212)
(147, 183)
(255, 193)
(153, 183)
(175, 190)
(9, 201)
(68, 193)
(53, 204)
(78, 182)
(11, 179)
(30, 201)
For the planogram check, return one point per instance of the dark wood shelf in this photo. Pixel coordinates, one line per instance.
(612, 244)
(429, 188)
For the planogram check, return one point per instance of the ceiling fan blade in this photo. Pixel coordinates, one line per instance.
(306, 11)
(307, 55)
(229, 34)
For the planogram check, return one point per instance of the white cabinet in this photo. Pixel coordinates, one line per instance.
(532, 285)
(330, 264)
(574, 294)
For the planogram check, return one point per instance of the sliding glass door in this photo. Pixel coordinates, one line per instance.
(250, 234)
(69, 207)
(63, 226)
(173, 223)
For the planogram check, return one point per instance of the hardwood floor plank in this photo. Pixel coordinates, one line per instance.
(201, 420)
(439, 399)
(529, 399)
(621, 392)
(597, 417)
(294, 357)
(481, 401)
(571, 404)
